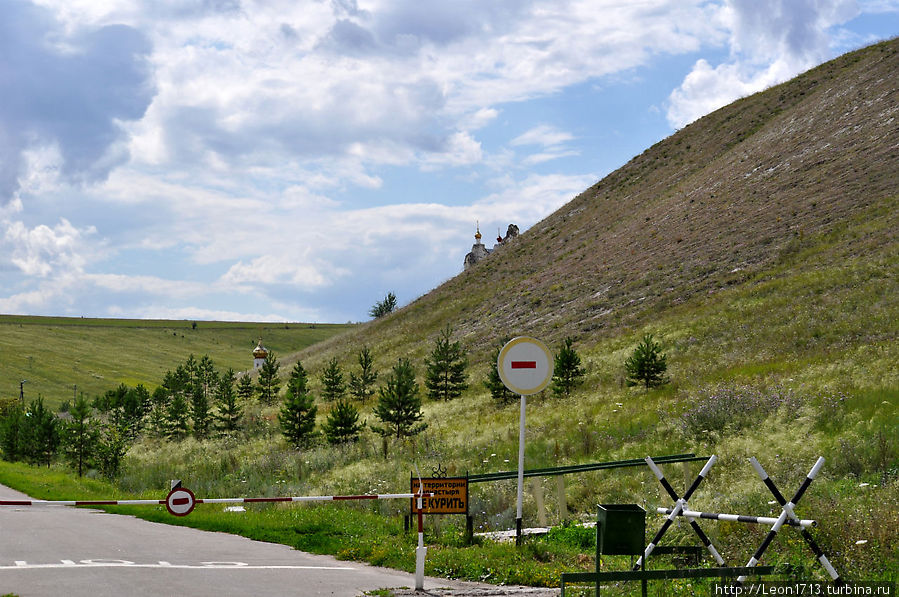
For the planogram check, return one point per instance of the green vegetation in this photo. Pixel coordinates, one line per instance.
(445, 376)
(757, 245)
(567, 371)
(384, 307)
(297, 414)
(647, 364)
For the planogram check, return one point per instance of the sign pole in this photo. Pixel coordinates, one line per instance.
(525, 367)
(520, 471)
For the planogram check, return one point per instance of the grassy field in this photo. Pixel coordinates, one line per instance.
(57, 354)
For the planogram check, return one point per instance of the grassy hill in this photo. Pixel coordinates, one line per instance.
(785, 180)
(56, 354)
(759, 244)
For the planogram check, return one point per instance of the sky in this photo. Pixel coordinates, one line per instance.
(296, 161)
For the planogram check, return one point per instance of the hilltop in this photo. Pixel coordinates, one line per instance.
(722, 203)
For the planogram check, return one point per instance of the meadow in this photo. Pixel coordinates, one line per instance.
(63, 356)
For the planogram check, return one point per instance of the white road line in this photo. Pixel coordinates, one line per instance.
(20, 565)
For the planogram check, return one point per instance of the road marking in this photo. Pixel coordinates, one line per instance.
(99, 563)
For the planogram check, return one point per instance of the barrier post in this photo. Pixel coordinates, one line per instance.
(421, 550)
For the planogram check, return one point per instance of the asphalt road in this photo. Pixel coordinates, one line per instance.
(59, 550)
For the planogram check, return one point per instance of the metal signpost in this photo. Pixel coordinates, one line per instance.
(525, 366)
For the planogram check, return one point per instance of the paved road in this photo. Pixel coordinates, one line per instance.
(58, 550)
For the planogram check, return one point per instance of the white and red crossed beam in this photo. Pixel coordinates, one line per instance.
(307, 498)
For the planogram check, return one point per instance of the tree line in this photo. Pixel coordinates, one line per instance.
(195, 399)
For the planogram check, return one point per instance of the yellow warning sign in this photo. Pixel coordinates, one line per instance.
(450, 495)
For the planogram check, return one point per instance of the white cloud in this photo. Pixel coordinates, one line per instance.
(42, 250)
(770, 42)
(545, 135)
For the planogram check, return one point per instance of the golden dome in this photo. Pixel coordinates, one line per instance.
(260, 352)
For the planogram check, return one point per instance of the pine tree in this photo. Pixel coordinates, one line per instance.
(177, 423)
(159, 401)
(567, 370)
(245, 388)
(297, 414)
(42, 433)
(494, 383)
(342, 424)
(79, 436)
(333, 387)
(399, 406)
(229, 407)
(445, 377)
(362, 387)
(201, 393)
(647, 365)
(385, 307)
(268, 382)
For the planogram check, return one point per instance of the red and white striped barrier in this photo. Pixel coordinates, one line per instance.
(259, 500)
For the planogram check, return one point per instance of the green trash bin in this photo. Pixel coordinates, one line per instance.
(620, 530)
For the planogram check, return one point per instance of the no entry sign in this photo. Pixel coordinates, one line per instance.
(180, 502)
(525, 365)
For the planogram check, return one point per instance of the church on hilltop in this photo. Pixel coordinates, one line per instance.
(479, 251)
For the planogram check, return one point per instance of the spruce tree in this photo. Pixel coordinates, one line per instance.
(297, 414)
(245, 388)
(333, 386)
(445, 378)
(494, 383)
(362, 386)
(230, 409)
(567, 370)
(268, 382)
(647, 364)
(342, 424)
(399, 406)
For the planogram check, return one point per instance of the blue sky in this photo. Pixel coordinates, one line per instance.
(295, 161)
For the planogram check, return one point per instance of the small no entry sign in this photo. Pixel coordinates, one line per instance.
(180, 501)
(525, 365)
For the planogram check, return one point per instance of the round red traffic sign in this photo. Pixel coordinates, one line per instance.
(525, 365)
(180, 502)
